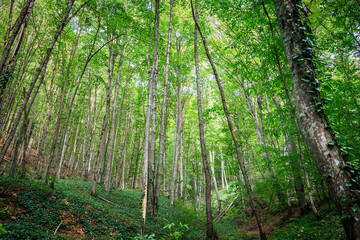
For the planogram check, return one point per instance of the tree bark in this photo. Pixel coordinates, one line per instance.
(317, 133)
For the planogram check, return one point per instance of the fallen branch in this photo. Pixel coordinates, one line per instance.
(222, 213)
(105, 200)
(58, 227)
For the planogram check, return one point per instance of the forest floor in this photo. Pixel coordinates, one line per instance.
(29, 209)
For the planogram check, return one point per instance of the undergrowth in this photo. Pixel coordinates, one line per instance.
(32, 210)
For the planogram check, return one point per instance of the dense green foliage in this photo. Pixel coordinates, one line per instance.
(113, 41)
(32, 210)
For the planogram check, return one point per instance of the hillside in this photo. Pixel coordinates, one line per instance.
(32, 210)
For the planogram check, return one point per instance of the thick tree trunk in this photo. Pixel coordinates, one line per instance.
(317, 133)
(210, 230)
(148, 205)
(238, 153)
(291, 147)
(6, 75)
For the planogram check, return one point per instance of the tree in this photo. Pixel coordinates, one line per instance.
(315, 127)
(210, 231)
(231, 128)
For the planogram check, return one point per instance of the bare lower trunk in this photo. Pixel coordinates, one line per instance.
(181, 156)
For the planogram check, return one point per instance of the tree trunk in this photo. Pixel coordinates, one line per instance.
(212, 162)
(56, 133)
(176, 147)
(181, 155)
(127, 124)
(112, 130)
(163, 116)
(238, 154)
(210, 231)
(100, 160)
(317, 133)
(295, 166)
(87, 123)
(148, 206)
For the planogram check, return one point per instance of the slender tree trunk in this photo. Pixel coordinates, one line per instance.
(238, 154)
(87, 123)
(210, 231)
(127, 124)
(8, 30)
(56, 133)
(176, 147)
(317, 133)
(181, 155)
(73, 153)
(145, 165)
(100, 160)
(292, 152)
(163, 115)
(90, 140)
(212, 162)
(112, 130)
